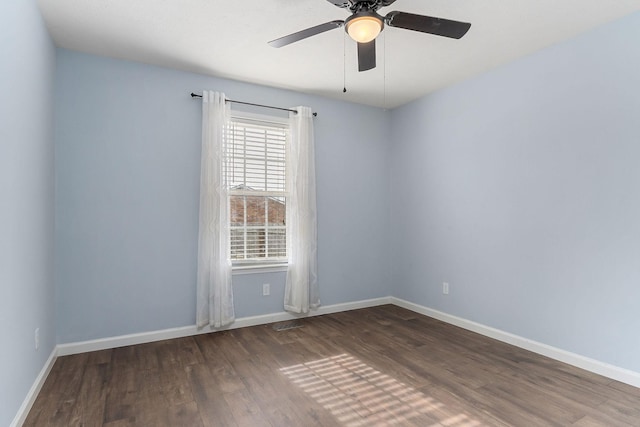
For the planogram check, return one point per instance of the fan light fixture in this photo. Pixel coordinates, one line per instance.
(364, 28)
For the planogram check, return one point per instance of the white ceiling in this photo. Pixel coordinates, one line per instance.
(229, 39)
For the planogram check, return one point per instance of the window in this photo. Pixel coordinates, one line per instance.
(254, 173)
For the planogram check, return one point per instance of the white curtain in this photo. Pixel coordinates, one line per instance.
(301, 289)
(214, 306)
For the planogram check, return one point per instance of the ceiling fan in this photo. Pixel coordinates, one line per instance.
(365, 24)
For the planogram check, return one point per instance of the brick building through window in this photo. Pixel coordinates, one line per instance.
(257, 227)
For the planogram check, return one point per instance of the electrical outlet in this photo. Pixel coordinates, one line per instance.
(37, 338)
(445, 288)
(266, 289)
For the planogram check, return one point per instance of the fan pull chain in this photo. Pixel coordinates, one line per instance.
(384, 72)
(344, 62)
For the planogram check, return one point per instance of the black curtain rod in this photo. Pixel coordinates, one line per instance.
(195, 95)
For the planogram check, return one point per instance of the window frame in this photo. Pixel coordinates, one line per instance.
(260, 265)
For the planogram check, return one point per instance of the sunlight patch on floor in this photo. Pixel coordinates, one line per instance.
(358, 395)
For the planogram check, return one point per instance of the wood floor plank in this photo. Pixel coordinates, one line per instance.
(245, 410)
(209, 397)
(185, 414)
(89, 407)
(100, 357)
(175, 385)
(372, 367)
(121, 394)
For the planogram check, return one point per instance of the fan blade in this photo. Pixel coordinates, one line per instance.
(427, 24)
(300, 35)
(340, 3)
(367, 55)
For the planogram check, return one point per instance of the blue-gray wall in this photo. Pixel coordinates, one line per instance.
(127, 177)
(521, 188)
(27, 66)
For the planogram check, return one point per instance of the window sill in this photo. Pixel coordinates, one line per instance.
(259, 268)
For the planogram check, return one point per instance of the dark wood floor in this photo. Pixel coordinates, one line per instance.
(377, 366)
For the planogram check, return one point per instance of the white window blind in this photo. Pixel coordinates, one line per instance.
(254, 173)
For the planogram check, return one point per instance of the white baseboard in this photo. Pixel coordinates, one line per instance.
(21, 416)
(610, 371)
(186, 331)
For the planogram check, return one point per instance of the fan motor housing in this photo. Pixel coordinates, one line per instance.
(354, 5)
